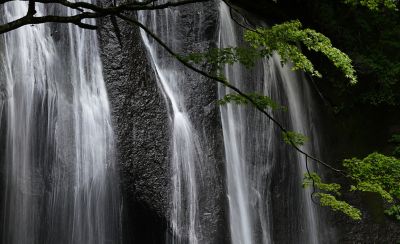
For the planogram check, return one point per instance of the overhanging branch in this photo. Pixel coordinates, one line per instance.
(28, 20)
(227, 84)
(88, 11)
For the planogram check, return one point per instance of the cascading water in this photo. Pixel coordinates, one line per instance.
(232, 123)
(262, 212)
(187, 156)
(59, 178)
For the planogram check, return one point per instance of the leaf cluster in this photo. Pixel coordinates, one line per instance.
(327, 198)
(285, 39)
(294, 138)
(218, 57)
(314, 179)
(370, 38)
(377, 173)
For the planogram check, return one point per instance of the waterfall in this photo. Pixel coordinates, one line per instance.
(59, 179)
(232, 122)
(266, 201)
(186, 151)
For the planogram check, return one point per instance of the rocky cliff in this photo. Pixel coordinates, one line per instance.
(142, 127)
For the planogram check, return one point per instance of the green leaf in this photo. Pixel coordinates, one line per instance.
(285, 39)
(376, 173)
(294, 138)
(327, 200)
(314, 179)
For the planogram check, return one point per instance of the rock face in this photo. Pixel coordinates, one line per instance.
(196, 31)
(142, 127)
(141, 130)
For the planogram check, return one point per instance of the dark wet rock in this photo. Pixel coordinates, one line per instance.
(140, 117)
(141, 129)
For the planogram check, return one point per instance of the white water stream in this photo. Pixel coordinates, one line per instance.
(187, 155)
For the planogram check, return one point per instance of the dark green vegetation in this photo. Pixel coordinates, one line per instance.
(371, 39)
(366, 30)
(376, 173)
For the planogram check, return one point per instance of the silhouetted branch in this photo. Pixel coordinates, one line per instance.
(28, 20)
(227, 84)
(99, 12)
(31, 8)
(88, 11)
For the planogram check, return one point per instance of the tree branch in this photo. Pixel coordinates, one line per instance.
(98, 12)
(27, 20)
(227, 84)
(95, 12)
(31, 8)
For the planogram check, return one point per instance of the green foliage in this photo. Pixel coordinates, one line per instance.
(377, 173)
(294, 138)
(375, 5)
(218, 57)
(285, 39)
(326, 195)
(262, 101)
(314, 179)
(370, 38)
(395, 139)
(371, 187)
(394, 211)
(328, 200)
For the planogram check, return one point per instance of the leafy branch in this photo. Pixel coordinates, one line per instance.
(375, 173)
(91, 11)
(223, 81)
